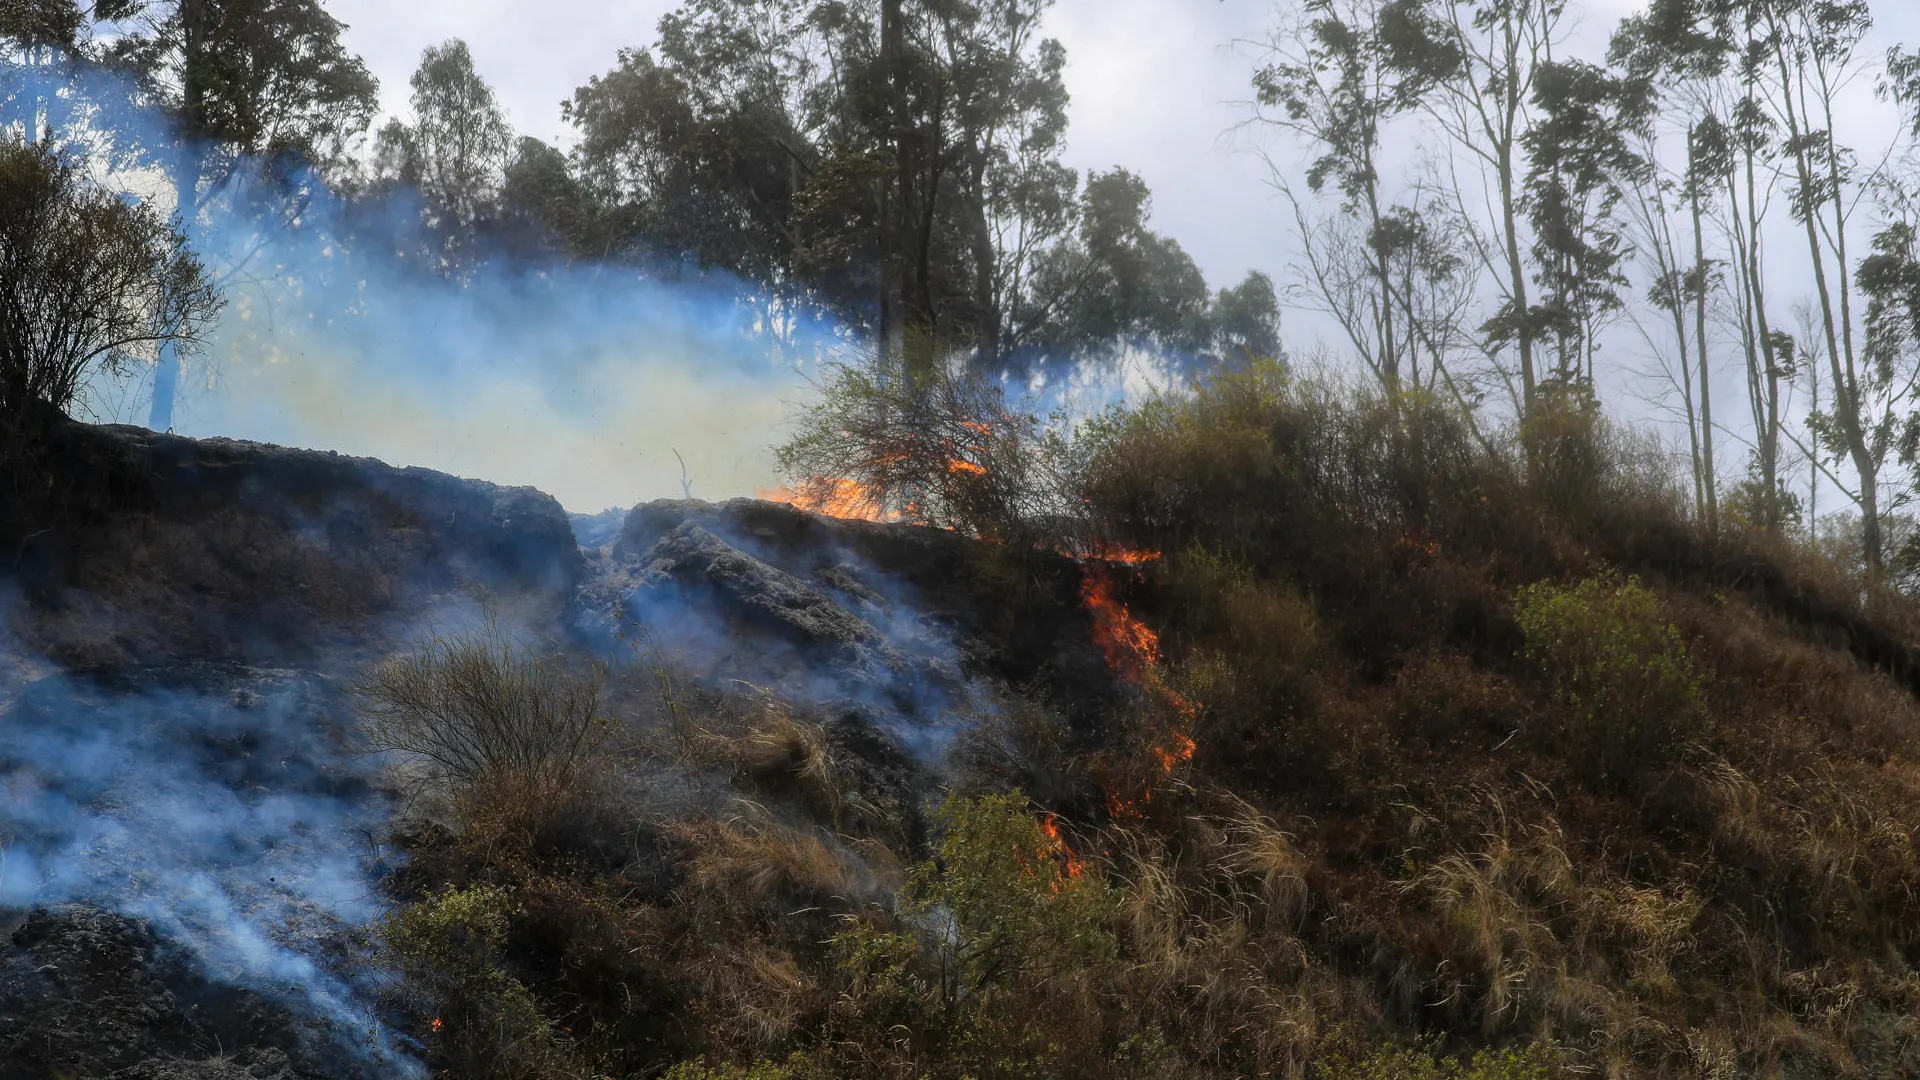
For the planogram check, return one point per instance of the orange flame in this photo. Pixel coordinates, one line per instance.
(838, 498)
(1129, 556)
(1132, 650)
(1131, 647)
(958, 465)
(1070, 864)
(434, 1025)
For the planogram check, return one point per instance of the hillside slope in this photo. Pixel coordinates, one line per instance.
(1387, 750)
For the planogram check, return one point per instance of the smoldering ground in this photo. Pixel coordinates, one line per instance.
(221, 806)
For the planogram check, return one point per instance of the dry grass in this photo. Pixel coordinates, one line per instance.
(1385, 833)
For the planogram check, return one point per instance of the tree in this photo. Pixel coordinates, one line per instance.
(1328, 80)
(1483, 60)
(1804, 54)
(1246, 320)
(1576, 151)
(455, 153)
(246, 83)
(88, 281)
(894, 163)
(1115, 284)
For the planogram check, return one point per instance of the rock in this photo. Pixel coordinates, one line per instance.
(167, 548)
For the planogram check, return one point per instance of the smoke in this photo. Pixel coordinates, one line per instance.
(340, 332)
(214, 803)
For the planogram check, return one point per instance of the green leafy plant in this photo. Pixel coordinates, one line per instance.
(1531, 1062)
(486, 1024)
(1619, 672)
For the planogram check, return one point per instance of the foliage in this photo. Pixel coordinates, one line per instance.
(1529, 1062)
(486, 1023)
(263, 78)
(489, 716)
(88, 281)
(455, 153)
(1618, 669)
(942, 447)
(1002, 927)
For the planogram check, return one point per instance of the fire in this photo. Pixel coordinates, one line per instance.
(838, 497)
(1130, 556)
(958, 465)
(1132, 650)
(1070, 864)
(434, 1025)
(1131, 647)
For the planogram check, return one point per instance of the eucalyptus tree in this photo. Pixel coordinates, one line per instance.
(1328, 78)
(454, 153)
(897, 163)
(1803, 55)
(1577, 150)
(242, 83)
(1482, 61)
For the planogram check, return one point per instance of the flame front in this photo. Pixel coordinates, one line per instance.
(1132, 650)
(1070, 865)
(838, 497)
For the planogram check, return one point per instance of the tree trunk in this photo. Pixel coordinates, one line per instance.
(166, 374)
(1709, 480)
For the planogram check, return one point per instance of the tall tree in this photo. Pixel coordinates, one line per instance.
(892, 161)
(1485, 59)
(454, 153)
(1329, 79)
(244, 82)
(1804, 54)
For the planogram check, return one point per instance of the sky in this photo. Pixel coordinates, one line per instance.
(1160, 87)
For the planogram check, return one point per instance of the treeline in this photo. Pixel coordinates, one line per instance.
(1688, 194)
(888, 169)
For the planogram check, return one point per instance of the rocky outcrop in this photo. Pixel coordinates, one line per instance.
(163, 548)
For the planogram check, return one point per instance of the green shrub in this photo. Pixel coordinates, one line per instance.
(991, 968)
(486, 1024)
(1619, 672)
(795, 1068)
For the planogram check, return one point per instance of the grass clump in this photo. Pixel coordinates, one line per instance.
(488, 718)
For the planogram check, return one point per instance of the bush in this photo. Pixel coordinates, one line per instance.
(1521, 1063)
(89, 280)
(942, 447)
(1619, 671)
(486, 1024)
(992, 973)
(489, 718)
